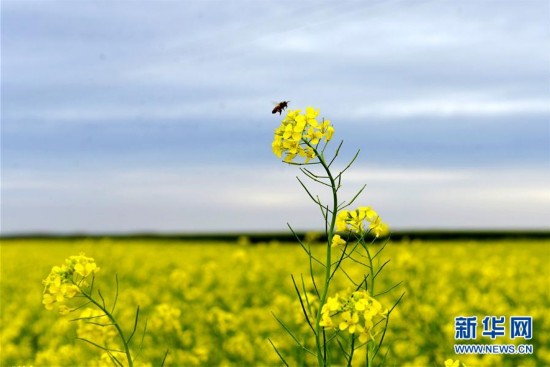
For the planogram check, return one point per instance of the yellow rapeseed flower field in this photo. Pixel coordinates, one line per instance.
(212, 304)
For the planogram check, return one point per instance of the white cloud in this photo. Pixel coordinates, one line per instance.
(258, 198)
(219, 67)
(449, 107)
(188, 110)
(395, 175)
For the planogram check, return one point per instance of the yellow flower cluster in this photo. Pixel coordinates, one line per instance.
(451, 363)
(64, 281)
(298, 133)
(96, 327)
(357, 313)
(337, 241)
(354, 221)
(166, 319)
(222, 321)
(511, 278)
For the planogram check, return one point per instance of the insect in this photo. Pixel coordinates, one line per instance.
(280, 107)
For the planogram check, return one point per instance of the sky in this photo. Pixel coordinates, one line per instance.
(155, 116)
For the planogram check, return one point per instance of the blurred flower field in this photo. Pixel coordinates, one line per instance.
(212, 303)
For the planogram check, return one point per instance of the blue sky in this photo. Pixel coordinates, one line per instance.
(156, 116)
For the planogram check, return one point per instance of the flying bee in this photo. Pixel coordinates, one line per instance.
(280, 107)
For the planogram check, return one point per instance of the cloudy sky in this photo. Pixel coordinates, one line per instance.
(156, 115)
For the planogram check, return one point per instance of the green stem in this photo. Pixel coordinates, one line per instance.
(370, 358)
(116, 325)
(321, 357)
(352, 350)
(371, 271)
